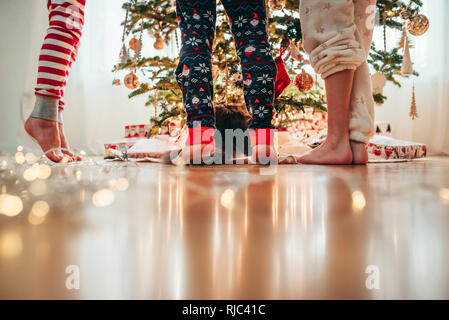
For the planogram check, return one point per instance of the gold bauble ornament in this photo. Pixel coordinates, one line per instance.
(418, 25)
(159, 44)
(304, 82)
(116, 82)
(131, 81)
(134, 43)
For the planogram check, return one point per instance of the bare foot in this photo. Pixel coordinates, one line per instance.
(198, 154)
(329, 153)
(65, 145)
(359, 153)
(264, 154)
(46, 133)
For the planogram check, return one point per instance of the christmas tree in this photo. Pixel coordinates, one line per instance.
(154, 76)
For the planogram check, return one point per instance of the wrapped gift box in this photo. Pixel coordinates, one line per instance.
(135, 131)
(383, 147)
(121, 145)
(158, 148)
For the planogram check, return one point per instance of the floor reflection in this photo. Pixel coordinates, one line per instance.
(231, 233)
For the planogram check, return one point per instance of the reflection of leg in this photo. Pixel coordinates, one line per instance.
(194, 74)
(336, 148)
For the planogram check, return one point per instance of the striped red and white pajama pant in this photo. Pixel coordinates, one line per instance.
(66, 19)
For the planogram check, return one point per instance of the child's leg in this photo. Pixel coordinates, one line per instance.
(194, 73)
(249, 27)
(331, 38)
(361, 108)
(65, 19)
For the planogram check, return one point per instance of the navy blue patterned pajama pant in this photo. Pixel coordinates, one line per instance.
(194, 73)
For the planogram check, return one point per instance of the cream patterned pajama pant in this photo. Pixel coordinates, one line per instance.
(337, 35)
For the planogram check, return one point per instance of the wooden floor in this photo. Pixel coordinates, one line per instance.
(229, 232)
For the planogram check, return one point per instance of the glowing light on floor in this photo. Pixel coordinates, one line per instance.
(44, 171)
(10, 205)
(444, 195)
(103, 198)
(35, 220)
(122, 184)
(10, 245)
(38, 188)
(20, 158)
(40, 208)
(30, 158)
(358, 201)
(227, 198)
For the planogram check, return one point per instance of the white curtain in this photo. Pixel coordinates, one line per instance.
(97, 112)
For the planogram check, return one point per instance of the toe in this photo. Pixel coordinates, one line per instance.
(54, 156)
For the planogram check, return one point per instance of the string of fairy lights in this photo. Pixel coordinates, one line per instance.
(31, 186)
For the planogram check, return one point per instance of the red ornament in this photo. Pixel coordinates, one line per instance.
(304, 82)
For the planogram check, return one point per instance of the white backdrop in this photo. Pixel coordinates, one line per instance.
(97, 112)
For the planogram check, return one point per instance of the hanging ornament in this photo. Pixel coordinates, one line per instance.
(163, 106)
(159, 44)
(124, 55)
(282, 78)
(418, 25)
(116, 82)
(138, 50)
(379, 82)
(133, 43)
(404, 37)
(413, 109)
(405, 14)
(131, 81)
(277, 4)
(304, 82)
(407, 64)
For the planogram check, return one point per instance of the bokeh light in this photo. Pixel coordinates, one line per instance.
(38, 188)
(20, 158)
(122, 184)
(103, 198)
(10, 205)
(10, 245)
(444, 195)
(358, 201)
(40, 208)
(227, 198)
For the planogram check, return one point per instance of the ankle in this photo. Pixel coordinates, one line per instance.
(334, 141)
(45, 108)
